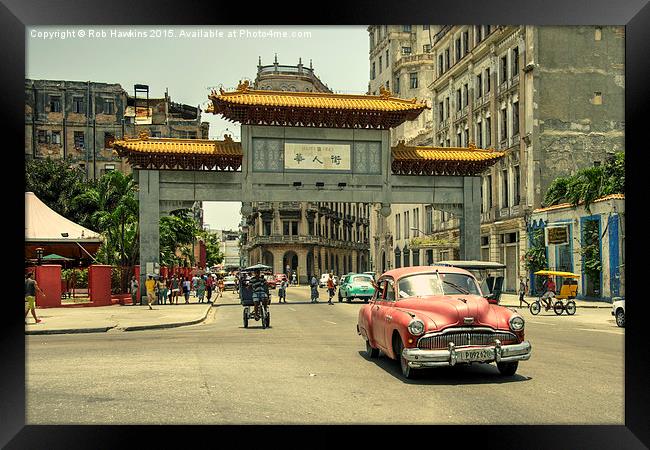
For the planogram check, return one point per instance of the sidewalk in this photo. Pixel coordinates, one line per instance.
(513, 300)
(117, 318)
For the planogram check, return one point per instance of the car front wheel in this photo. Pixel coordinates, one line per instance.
(507, 368)
(620, 318)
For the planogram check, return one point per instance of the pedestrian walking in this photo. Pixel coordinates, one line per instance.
(200, 289)
(187, 287)
(209, 283)
(31, 287)
(195, 283)
(133, 290)
(523, 290)
(331, 289)
(221, 286)
(158, 290)
(164, 291)
(150, 285)
(282, 291)
(314, 289)
(173, 286)
(294, 279)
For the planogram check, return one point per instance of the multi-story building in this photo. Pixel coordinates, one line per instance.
(229, 247)
(77, 121)
(307, 237)
(551, 97)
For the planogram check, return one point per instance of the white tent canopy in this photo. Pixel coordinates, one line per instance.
(44, 224)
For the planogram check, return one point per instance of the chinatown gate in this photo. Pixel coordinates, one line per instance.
(305, 146)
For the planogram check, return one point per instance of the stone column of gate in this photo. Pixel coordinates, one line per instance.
(470, 220)
(149, 198)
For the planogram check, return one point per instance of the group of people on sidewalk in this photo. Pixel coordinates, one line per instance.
(331, 289)
(161, 289)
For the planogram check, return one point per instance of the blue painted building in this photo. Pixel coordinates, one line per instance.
(570, 230)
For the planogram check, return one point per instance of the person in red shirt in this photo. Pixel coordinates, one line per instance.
(550, 292)
(331, 289)
(209, 283)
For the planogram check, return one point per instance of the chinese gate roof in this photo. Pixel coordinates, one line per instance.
(171, 153)
(465, 161)
(317, 109)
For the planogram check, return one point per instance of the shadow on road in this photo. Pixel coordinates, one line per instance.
(449, 376)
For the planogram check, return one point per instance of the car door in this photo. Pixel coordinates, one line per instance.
(378, 314)
(388, 309)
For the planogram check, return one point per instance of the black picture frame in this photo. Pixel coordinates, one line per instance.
(15, 15)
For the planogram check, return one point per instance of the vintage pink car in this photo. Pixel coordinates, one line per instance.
(432, 316)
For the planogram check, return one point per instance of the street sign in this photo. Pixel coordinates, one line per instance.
(304, 156)
(557, 235)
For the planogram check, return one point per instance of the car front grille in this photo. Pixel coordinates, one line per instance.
(464, 337)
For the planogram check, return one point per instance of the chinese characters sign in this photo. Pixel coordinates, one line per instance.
(317, 156)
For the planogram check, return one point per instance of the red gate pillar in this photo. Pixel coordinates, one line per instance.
(48, 278)
(99, 285)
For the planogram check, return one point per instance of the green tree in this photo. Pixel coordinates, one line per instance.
(177, 231)
(56, 184)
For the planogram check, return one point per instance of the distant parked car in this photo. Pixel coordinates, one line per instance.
(356, 285)
(323, 280)
(431, 316)
(229, 282)
(372, 274)
(280, 277)
(618, 311)
(270, 281)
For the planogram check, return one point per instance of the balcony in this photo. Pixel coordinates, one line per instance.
(264, 206)
(289, 206)
(278, 239)
(421, 58)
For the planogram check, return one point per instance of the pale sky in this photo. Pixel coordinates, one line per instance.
(189, 66)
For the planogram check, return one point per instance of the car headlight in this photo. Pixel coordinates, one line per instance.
(516, 323)
(416, 327)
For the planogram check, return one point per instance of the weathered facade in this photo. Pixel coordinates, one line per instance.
(550, 97)
(77, 121)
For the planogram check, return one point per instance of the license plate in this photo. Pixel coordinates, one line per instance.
(474, 355)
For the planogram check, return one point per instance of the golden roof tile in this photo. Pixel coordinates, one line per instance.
(142, 144)
(404, 153)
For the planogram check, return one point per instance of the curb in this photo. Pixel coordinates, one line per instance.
(133, 328)
(168, 325)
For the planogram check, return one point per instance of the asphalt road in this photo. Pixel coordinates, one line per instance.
(309, 368)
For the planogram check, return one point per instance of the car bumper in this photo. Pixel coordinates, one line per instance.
(419, 358)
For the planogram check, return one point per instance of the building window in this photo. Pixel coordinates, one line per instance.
(479, 85)
(515, 118)
(42, 136)
(56, 137)
(428, 211)
(386, 57)
(266, 225)
(447, 107)
(413, 80)
(426, 48)
(372, 40)
(504, 68)
(459, 139)
(388, 85)
(479, 134)
(109, 106)
(398, 230)
(487, 81)
(372, 72)
(397, 85)
(381, 64)
(466, 137)
(504, 124)
(406, 28)
(488, 131)
(440, 67)
(79, 138)
(55, 103)
(78, 105)
(465, 43)
(598, 33)
(466, 89)
(489, 191)
(517, 190)
(441, 111)
(515, 61)
(504, 183)
(447, 59)
(108, 139)
(407, 229)
(458, 49)
(478, 33)
(448, 142)
(458, 99)
(406, 50)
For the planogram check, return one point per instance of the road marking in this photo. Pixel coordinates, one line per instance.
(602, 331)
(333, 323)
(292, 309)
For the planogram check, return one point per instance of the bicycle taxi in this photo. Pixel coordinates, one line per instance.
(563, 300)
(246, 296)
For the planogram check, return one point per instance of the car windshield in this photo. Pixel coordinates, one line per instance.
(425, 284)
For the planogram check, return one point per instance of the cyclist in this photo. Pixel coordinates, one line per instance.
(260, 290)
(550, 292)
